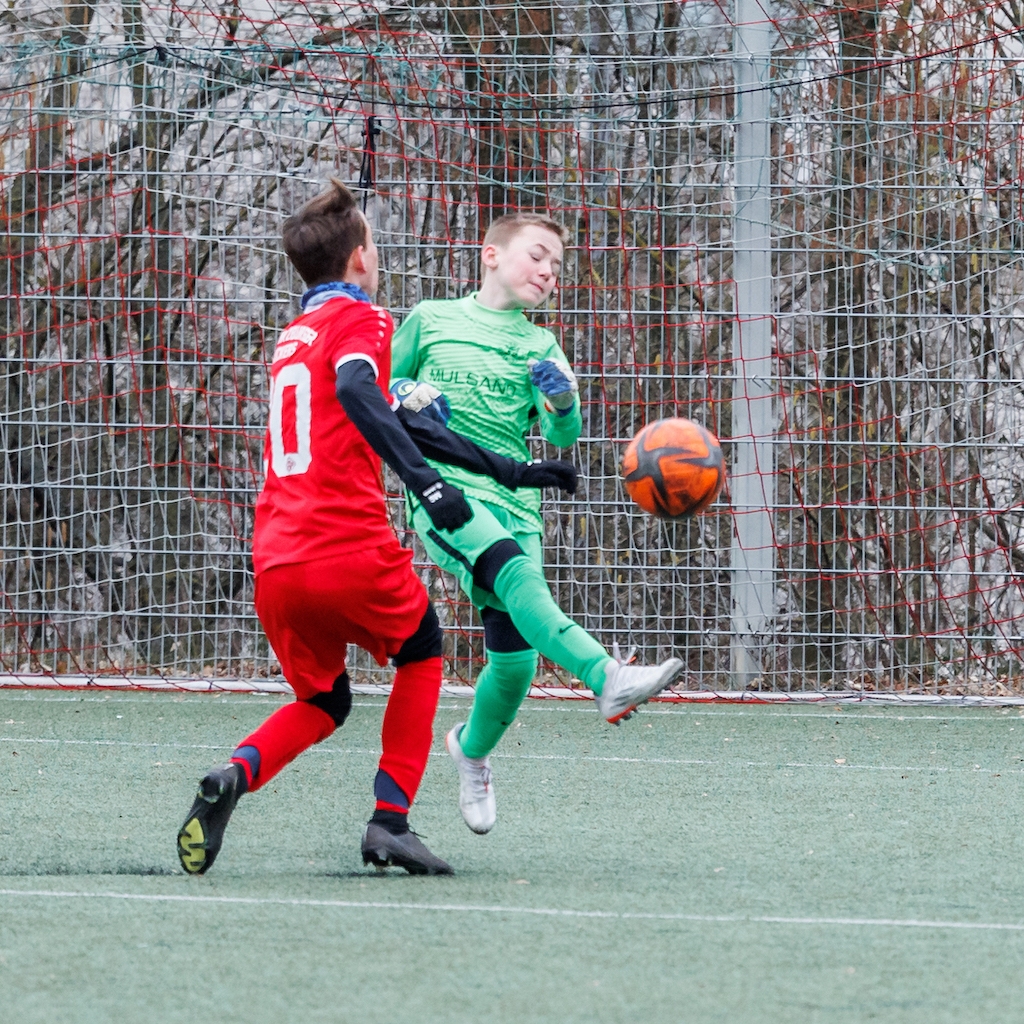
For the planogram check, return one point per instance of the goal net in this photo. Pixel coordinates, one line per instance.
(796, 223)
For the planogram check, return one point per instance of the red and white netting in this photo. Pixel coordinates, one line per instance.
(150, 152)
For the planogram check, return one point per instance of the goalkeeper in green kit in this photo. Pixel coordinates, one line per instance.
(481, 360)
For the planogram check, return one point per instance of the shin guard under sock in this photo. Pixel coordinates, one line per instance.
(284, 735)
(408, 729)
(500, 689)
(521, 587)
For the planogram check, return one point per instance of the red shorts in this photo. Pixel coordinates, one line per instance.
(312, 611)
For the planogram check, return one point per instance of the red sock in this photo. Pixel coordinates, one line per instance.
(286, 734)
(408, 726)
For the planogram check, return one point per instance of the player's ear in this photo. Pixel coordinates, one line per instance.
(489, 256)
(357, 261)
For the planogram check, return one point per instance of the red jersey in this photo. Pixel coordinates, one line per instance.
(323, 494)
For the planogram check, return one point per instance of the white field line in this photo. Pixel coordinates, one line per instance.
(213, 685)
(676, 761)
(159, 697)
(541, 706)
(475, 908)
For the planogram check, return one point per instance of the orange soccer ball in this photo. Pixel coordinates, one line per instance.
(673, 468)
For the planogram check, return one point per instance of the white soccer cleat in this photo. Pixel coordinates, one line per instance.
(627, 686)
(476, 790)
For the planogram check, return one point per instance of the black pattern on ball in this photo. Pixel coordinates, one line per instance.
(648, 464)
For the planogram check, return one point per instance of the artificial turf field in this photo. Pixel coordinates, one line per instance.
(698, 864)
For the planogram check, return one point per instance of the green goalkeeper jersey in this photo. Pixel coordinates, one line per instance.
(478, 358)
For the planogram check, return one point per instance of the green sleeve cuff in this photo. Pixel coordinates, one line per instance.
(562, 431)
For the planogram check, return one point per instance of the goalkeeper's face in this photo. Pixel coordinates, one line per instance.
(524, 271)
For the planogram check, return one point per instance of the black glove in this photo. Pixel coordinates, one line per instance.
(446, 505)
(549, 473)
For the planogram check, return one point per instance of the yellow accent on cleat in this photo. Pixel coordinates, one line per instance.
(192, 846)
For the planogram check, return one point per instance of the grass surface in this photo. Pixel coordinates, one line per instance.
(698, 864)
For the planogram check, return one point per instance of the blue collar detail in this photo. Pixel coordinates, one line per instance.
(353, 291)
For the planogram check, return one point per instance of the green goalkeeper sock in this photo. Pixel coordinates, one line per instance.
(500, 689)
(521, 587)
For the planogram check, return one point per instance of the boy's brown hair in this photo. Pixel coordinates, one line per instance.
(506, 227)
(321, 237)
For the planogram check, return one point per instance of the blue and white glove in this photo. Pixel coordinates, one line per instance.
(418, 396)
(556, 382)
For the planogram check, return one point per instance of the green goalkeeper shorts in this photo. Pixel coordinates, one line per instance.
(457, 551)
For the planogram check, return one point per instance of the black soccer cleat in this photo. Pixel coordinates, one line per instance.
(382, 849)
(203, 832)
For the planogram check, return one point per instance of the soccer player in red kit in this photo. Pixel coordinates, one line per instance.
(329, 569)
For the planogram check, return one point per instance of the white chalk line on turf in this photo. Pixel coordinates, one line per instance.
(677, 761)
(482, 908)
(576, 706)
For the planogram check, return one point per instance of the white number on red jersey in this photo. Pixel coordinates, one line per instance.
(295, 377)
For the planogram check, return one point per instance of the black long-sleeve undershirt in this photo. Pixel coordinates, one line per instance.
(403, 439)
(438, 442)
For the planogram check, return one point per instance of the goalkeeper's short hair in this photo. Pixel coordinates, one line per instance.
(505, 228)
